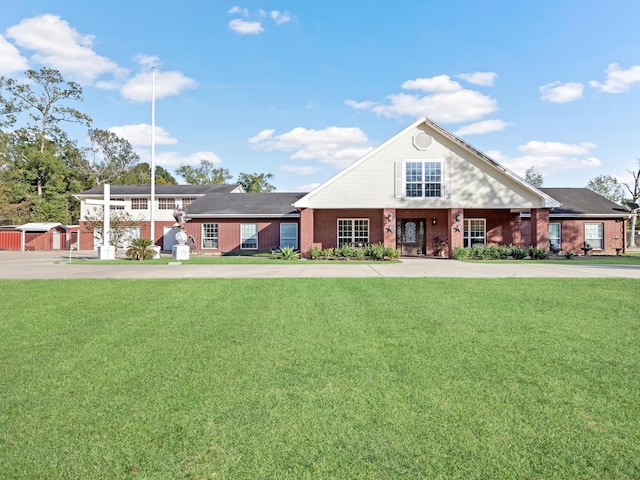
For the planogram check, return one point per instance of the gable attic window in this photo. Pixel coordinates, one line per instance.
(421, 140)
(423, 179)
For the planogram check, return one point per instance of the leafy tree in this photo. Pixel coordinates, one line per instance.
(608, 187)
(44, 97)
(204, 174)
(256, 182)
(533, 176)
(122, 223)
(634, 190)
(111, 157)
(140, 174)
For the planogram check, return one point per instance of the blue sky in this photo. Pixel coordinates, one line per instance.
(302, 89)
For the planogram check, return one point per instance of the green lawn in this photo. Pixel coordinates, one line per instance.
(316, 378)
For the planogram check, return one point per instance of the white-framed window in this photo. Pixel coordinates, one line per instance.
(209, 235)
(166, 203)
(475, 232)
(187, 201)
(555, 236)
(289, 235)
(423, 179)
(249, 236)
(139, 204)
(594, 235)
(117, 207)
(353, 230)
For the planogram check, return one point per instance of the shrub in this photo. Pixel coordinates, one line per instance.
(569, 255)
(141, 249)
(538, 253)
(376, 251)
(327, 253)
(460, 253)
(519, 253)
(288, 253)
(314, 253)
(391, 253)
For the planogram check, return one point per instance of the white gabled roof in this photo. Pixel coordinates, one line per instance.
(548, 201)
(40, 226)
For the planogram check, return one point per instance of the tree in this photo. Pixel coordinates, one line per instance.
(44, 97)
(122, 225)
(635, 198)
(608, 187)
(140, 174)
(204, 174)
(533, 176)
(256, 182)
(110, 157)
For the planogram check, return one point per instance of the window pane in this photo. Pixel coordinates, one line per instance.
(289, 235)
(354, 231)
(593, 235)
(209, 235)
(474, 232)
(554, 236)
(249, 236)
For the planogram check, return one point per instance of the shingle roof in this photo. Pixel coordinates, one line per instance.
(245, 204)
(40, 226)
(582, 201)
(161, 190)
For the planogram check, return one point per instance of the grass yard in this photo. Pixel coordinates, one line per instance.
(316, 378)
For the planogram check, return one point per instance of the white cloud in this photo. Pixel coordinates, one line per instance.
(549, 157)
(308, 187)
(299, 170)
(242, 11)
(10, 58)
(618, 80)
(175, 159)
(484, 79)
(447, 102)
(334, 145)
(59, 46)
(140, 135)
(557, 92)
(280, 17)
(244, 27)
(167, 84)
(483, 127)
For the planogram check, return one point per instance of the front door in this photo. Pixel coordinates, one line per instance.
(411, 233)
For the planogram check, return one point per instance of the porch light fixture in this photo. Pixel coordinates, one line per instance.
(458, 217)
(433, 221)
(389, 217)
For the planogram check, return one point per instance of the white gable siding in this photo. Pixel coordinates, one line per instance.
(470, 181)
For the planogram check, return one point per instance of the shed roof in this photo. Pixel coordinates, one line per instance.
(245, 205)
(40, 226)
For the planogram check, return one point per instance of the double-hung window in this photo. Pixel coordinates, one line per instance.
(249, 236)
(423, 179)
(289, 235)
(594, 235)
(165, 203)
(555, 240)
(475, 232)
(139, 204)
(209, 235)
(353, 231)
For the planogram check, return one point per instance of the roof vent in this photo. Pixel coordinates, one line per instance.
(421, 140)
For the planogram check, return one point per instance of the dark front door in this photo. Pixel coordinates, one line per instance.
(411, 237)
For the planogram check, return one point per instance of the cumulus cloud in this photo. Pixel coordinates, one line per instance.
(483, 127)
(10, 58)
(339, 146)
(175, 159)
(56, 44)
(299, 170)
(549, 157)
(255, 27)
(618, 79)
(280, 17)
(140, 135)
(244, 27)
(484, 79)
(167, 83)
(557, 92)
(242, 11)
(445, 101)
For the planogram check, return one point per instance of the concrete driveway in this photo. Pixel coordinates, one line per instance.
(53, 264)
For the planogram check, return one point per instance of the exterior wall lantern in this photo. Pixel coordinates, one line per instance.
(434, 221)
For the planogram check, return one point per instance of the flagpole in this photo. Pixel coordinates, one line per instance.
(153, 154)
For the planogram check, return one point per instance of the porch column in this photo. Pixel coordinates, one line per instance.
(455, 223)
(389, 222)
(540, 227)
(306, 230)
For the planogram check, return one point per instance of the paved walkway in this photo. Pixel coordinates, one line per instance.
(53, 264)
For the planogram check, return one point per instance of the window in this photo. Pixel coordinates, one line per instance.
(209, 235)
(117, 207)
(354, 231)
(249, 236)
(166, 203)
(289, 235)
(423, 179)
(555, 242)
(593, 235)
(187, 201)
(474, 232)
(139, 204)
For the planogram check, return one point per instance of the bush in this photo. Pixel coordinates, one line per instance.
(538, 253)
(519, 253)
(327, 253)
(141, 249)
(314, 253)
(460, 253)
(376, 251)
(288, 253)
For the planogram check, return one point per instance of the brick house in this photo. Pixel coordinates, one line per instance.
(423, 191)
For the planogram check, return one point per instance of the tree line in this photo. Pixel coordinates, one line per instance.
(41, 167)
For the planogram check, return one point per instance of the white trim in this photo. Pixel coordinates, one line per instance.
(352, 228)
(246, 238)
(422, 181)
(464, 234)
(217, 237)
